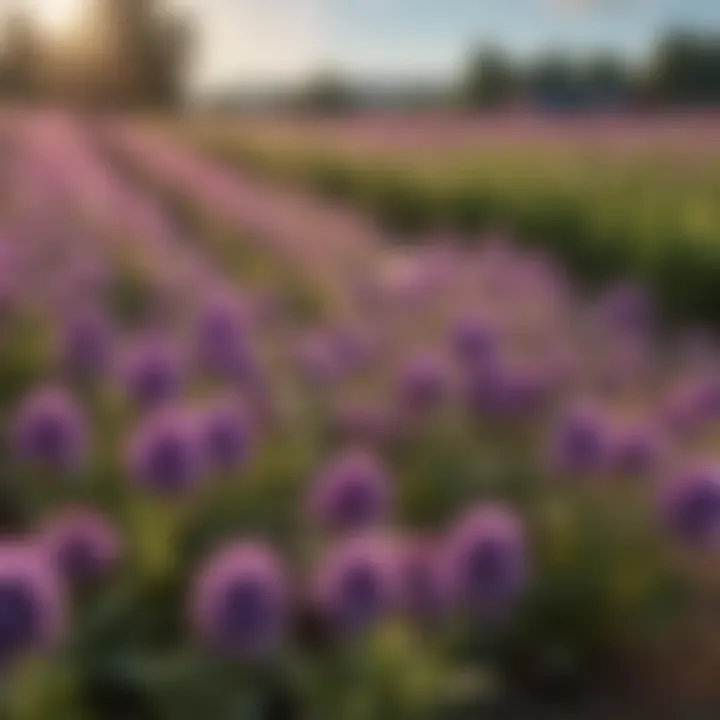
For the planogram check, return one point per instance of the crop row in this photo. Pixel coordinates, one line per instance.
(605, 207)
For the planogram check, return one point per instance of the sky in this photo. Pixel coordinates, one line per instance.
(280, 40)
(239, 41)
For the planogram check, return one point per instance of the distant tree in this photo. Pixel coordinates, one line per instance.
(606, 79)
(554, 82)
(172, 55)
(489, 79)
(20, 50)
(143, 55)
(685, 68)
(135, 56)
(327, 92)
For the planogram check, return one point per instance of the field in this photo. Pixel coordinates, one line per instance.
(355, 420)
(609, 195)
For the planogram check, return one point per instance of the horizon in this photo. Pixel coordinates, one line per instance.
(276, 43)
(375, 40)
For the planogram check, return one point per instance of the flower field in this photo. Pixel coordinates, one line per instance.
(262, 462)
(608, 195)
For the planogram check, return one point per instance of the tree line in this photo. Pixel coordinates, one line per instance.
(124, 53)
(682, 71)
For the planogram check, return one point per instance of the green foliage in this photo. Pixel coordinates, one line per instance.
(686, 69)
(652, 214)
(683, 70)
(131, 296)
(490, 79)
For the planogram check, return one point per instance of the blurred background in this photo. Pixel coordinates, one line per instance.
(238, 55)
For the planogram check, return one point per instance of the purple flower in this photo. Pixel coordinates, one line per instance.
(318, 359)
(529, 387)
(423, 384)
(152, 371)
(221, 336)
(473, 341)
(86, 344)
(488, 391)
(86, 277)
(636, 450)
(582, 441)
(683, 409)
(239, 601)
(226, 435)
(627, 361)
(165, 454)
(82, 544)
(499, 390)
(353, 347)
(626, 307)
(357, 583)
(704, 399)
(484, 560)
(351, 492)
(691, 505)
(31, 606)
(50, 429)
(421, 592)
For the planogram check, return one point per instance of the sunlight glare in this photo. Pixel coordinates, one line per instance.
(58, 16)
